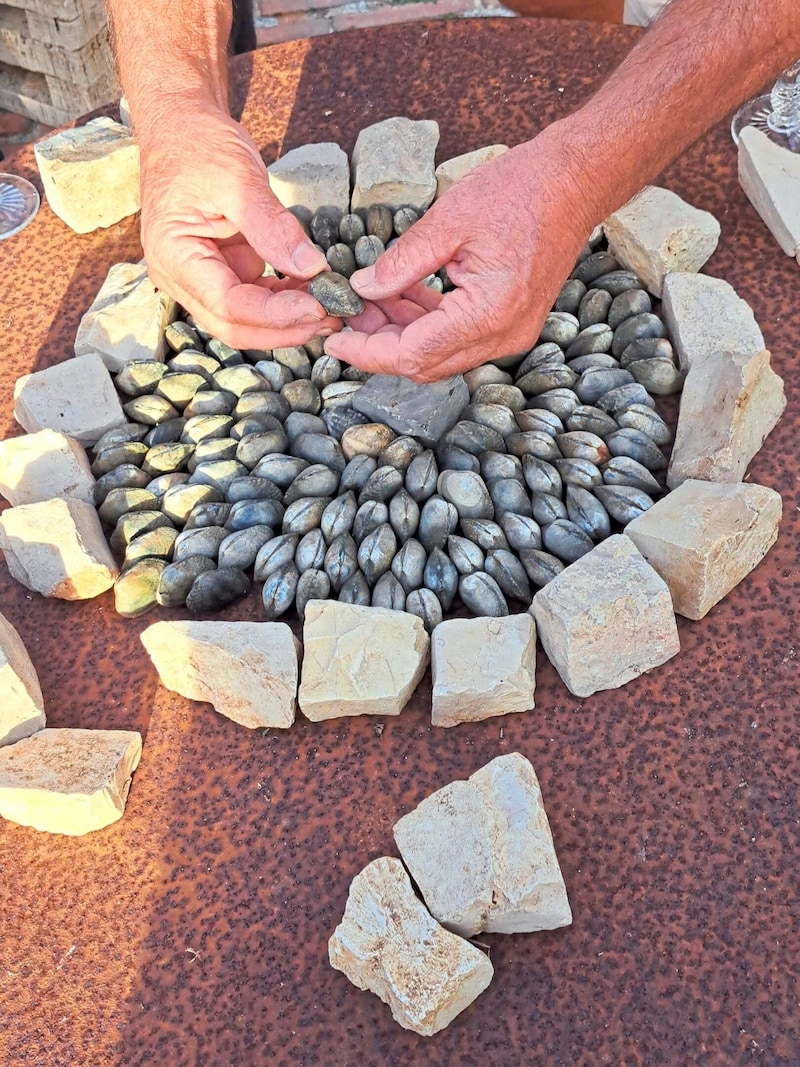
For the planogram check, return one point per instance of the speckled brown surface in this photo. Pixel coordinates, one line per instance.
(194, 931)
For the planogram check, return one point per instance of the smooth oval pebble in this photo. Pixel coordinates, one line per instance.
(155, 544)
(482, 595)
(627, 304)
(546, 355)
(356, 591)
(615, 401)
(324, 229)
(425, 605)
(569, 298)
(240, 548)
(541, 567)
(120, 435)
(404, 514)
(228, 357)
(379, 222)
(179, 500)
(561, 402)
(594, 383)
(468, 494)
(622, 470)
(658, 376)
(507, 396)
(522, 531)
(251, 487)
(370, 515)
(274, 373)
(304, 514)
(368, 440)
(618, 281)
(509, 495)
(136, 588)
(441, 577)
(302, 395)
(539, 419)
(357, 473)
(177, 579)
(341, 561)
(246, 513)
(382, 484)
(368, 250)
(351, 227)
(486, 533)
(595, 266)
(240, 380)
(591, 420)
(475, 437)
(294, 358)
(254, 446)
(545, 378)
(637, 326)
(438, 519)
(338, 516)
(273, 554)
(508, 572)
(133, 524)
(376, 552)
(310, 554)
(129, 452)
(594, 308)
(203, 541)
(466, 556)
(316, 480)
(311, 585)
(533, 443)
(180, 335)
(149, 409)
(451, 457)
(193, 362)
(302, 422)
(206, 427)
(547, 509)
(279, 591)
(598, 338)
(559, 328)
(580, 444)
(179, 388)
(388, 593)
(171, 430)
(126, 476)
(586, 511)
(167, 458)
(325, 371)
(541, 476)
(580, 472)
(499, 465)
(403, 219)
(408, 566)
(211, 514)
(401, 453)
(339, 419)
(623, 502)
(341, 259)
(566, 540)
(646, 348)
(649, 422)
(496, 417)
(637, 445)
(218, 473)
(140, 377)
(318, 447)
(592, 361)
(340, 394)
(422, 475)
(486, 374)
(119, 501)
(279, 469)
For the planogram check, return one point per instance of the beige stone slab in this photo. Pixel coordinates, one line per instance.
(359, 660)
(729, 405)
(21, 701)
(388, 943)
(247, 670)
(126, 320)
(68, 781)
(90, 174)
(43, 465)
(393, 164)
(76, 397)
(770, 176)
(312, 177)
(57, 548)
(705, 317)
(657, 233)
(452, 170)
(481, 852)
(606, 618)
(481, 668)
(704, 538)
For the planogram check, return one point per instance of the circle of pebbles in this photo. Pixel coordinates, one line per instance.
(237, 466)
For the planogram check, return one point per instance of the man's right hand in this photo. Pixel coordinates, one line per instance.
(209, 224)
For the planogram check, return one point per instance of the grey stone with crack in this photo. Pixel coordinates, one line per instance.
(426, 411)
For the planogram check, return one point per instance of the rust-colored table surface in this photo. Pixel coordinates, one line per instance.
(194, 931)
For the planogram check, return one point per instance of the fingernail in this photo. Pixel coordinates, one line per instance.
(307, 259)
(364, 278)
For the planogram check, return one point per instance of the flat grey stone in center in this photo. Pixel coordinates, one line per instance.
(424, 411)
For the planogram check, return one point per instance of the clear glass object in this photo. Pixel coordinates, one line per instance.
(776, 113)
(19, 202)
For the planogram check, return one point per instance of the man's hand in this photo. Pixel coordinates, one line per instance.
(508, 233)
(209, 223)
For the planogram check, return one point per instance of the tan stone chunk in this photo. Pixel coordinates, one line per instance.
(68, 781)
(482, 667)
(730, 403)
(76, 397)
(312, 177)
(389, 944)
(359, 661)
(57, 548)
(770, 176)
(704, 538)
(367, 439)
(482, 853)
(247, 670)
(90, 174)
(393, 164)
(21, 702)
(606, 619)
(657, 233)
(43, 465)
(126, 320)
(705, 317)
(449, 172)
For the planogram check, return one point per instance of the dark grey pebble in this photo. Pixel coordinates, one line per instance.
(341, 561)
(634, 328)
(408, 565)
(273, 554)
(178, 578)
(210, 402)
(539, 419)
(311, 585)
(615, 401)
(622, 470)
(475, 438)
(351, 227)
(547, 509)
(140, 377)
(357, 473)
(302, 422)
(595, 266)
(302, 395)
(126, 476)
(335, 294)
(618, 281)
(580, 472)
(592, 420)
(279, 591)
(400, 453)
(339, 419)
(509, 496)
(438, 519)
(207, 514)
(522, 531)
(122, 499)
(239, 549)
(368, 250)
(482, 595)
(369, 516)
(486, 533)
(356, 591)
(561, 402)
(451, 457)
(206, 427)
(388, 593)
(425, 605)
(379, 222)
(252, 488)
(541, 567)
(566, 540)
(218, 473)
(648, 421)
(533, 443)
(120, 435)
(545, 355)
(404, 514)
(338, 516)
(131, 452)
(441, 577)
(543, 379)
(316, 480)
(279, 469)
(246, 513)
(594, 383)
(254, 446)
(304, 514)
(466, 556)
(541, 476)
(637, 445)
(376, 552)
(325, 229)
(508, 572)
(497, 466)
(295, 359)
(204, 541)
(586, 511)
(559, 328)
(422, 475)
(180, 335)
(150, 410)
(646, 348)
(593, 309)
(325, 371)
(594, 361)
(496, 417)
(626, 305)
(572, 292)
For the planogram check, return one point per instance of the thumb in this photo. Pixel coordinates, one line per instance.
(276, 235)
(430, 244)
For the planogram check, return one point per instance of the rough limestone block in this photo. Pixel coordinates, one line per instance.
(359, 661)
(388, 943)
(482, 853)
(704, 538)
(393, 164)
(43, 465)
(57, 548)
(21, 702)
(704, 317)
(657, 233)
(424, 411)
(312, 177)
(247, 670)
(730, 403)
(770, 176)
(76, 397)
(126, 320)
(68, 781)
(482, 667)
(449, 172)
(606, 619)
(90, 174)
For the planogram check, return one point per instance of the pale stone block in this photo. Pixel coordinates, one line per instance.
(68, 781)
(730, 403)
(482, 853)
(90, 174)
(312, 177)
(57, 548)
(705, 317)
(21, 703)
(657, 233)
(359, 660)
(388, 943)
(704, 538)
(482, 667)
(449, 172)
(247, 670)
(770, 176)
(606, 619)
(76, 397)
(393, 164)
(126, 320)
(43, 465)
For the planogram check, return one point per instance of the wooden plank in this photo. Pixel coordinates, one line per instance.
(57, 9)
(48, 100)
(70, 34)
(78, 99)
(85, 66)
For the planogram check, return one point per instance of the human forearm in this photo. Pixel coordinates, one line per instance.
(694, 65)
